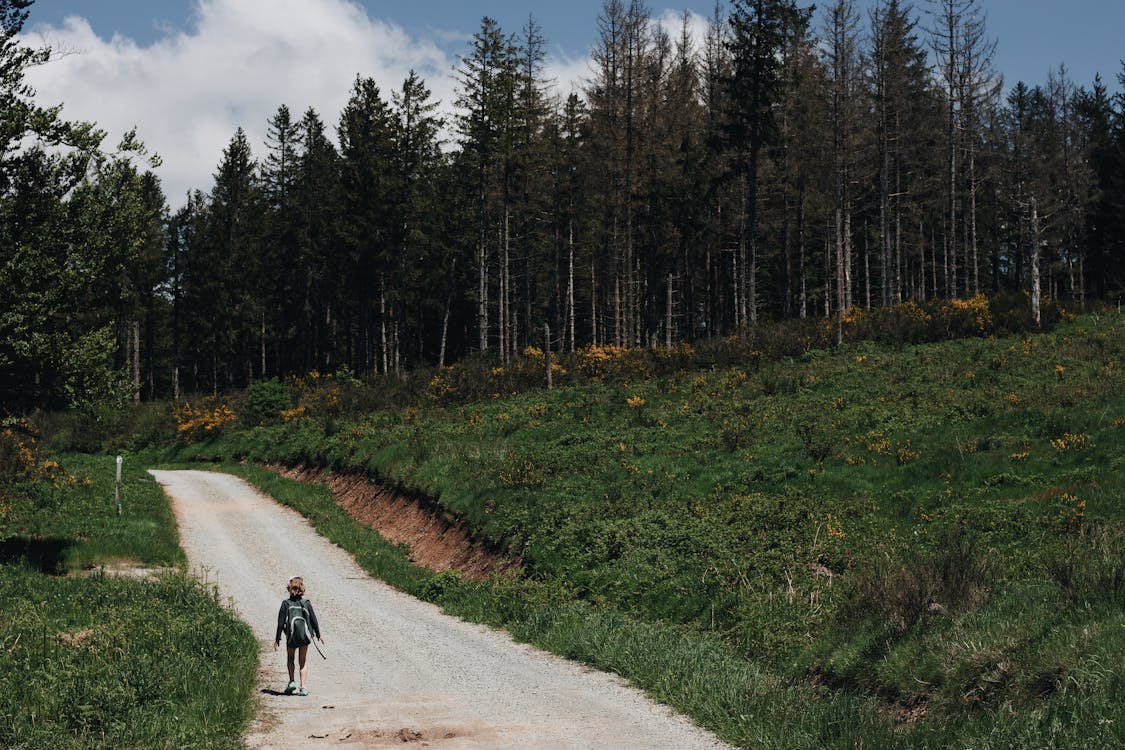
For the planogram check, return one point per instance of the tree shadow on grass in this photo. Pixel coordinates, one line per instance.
(45, 554)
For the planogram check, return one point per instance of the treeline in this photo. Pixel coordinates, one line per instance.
(789, 166)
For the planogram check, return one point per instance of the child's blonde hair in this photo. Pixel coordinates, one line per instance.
(296, 586)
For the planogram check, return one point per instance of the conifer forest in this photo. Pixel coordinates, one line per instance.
(793, 164)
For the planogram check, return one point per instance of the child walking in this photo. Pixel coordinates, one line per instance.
(297, 620)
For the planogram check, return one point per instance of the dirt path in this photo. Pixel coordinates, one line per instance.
(398, 671)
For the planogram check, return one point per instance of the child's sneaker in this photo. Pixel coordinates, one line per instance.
(302, 691)
(290, 688)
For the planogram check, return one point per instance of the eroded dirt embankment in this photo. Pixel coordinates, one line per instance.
(434, 542)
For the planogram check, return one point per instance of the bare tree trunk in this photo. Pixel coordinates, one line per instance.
(397, 358)
(330, 323)
(510, 310)
(1061, 93)
(827, 277)
(922, 263)
(752, 284)
(920, 271)
(842, 50)
(849, 284)
(786, 252)
(804, 297)
(593, 304)
(502, 297)
(482, 293)
(973, 215)
(384, 368)
(866, 270)
(735, 286)
(740, 298)
(934, 291)
(841, 300)
(898, 261)
(617, 314)
(632, 60)
(1035, 291)
(547, 353)
(1082, 279)
(628, 321)
(262, 372)
(570, 284)
(952, 59)
(884, 215)
(135, 355)
(714, 268)
(668, 317)
(444, 334)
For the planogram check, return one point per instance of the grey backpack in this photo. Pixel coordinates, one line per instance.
(297, 632)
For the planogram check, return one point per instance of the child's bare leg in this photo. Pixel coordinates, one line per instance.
(304, 667)
(289, 662)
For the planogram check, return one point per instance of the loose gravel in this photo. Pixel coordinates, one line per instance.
(397, 670)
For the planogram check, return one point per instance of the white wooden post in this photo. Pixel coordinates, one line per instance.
(117, 489)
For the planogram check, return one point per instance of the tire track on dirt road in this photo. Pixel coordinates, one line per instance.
(398, 670)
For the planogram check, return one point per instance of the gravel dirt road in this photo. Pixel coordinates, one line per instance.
(398, 672)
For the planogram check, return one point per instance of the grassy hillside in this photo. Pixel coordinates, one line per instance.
(931, 534)
(911, 544)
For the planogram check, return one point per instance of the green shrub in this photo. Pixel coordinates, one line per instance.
(818, 440)
(148, 425)
(85, 430)
(905, 591)
(264, 402)
(1089, 568)
(1011, 314)
(903, 323)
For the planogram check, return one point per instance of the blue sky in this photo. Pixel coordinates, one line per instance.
(187, 73)
(1033, 36)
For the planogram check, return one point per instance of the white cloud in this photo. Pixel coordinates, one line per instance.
(572, 74)
(566, 75)
(236, 63)
(672, 22)
(189, 90)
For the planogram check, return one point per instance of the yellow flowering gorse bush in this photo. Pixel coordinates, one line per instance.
(194, 421)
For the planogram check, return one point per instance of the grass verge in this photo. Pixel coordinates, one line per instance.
(90, 660)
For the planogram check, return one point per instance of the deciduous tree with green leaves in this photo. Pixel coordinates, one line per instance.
(55, 350)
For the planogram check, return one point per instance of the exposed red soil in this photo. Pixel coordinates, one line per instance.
(434, 542)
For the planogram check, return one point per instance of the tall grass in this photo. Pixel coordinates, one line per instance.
(107, 662)
(77, 509)
(90, 660)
